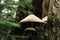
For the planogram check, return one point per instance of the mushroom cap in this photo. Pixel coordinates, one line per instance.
(45, 18)
(32, 18)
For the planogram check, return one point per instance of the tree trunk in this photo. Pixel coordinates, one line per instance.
(37, 4)
(45, 7)
(54, 20)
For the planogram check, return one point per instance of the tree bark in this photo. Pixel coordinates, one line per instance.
(45, 7)
(54, 16)
(41, 7)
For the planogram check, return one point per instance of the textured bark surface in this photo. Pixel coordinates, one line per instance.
(45, 6)
(54, 17)
(54, 9)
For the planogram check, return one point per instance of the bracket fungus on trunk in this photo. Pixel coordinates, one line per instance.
(32, 20)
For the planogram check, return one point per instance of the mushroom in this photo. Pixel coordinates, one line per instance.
(32, 21)
(32, 18)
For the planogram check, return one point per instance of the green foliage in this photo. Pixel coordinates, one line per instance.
(24, 8)
(8, 11)
(9, 24)
(7, 18)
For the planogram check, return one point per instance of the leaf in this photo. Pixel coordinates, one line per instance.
(8, 23)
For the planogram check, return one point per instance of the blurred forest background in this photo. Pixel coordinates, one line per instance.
(12, 11)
